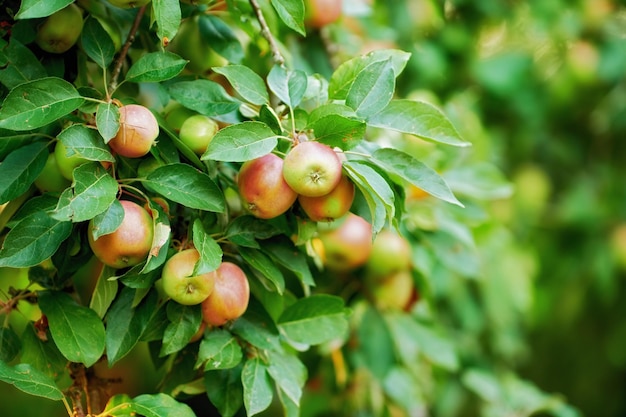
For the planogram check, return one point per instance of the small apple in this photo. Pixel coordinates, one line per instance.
(176, 114)
(130, 243)
(390, 253)
(50, 178)
(312, 169)
(394, 291)
(128, 4)
(138, 131)
(346, 242)
(179, 282)
(60, 31)
(197, 132)
(66, 163)
(320, 13)
(330, 206)
(263, 188)
(230, 296)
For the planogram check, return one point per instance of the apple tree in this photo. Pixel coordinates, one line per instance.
(211, 186)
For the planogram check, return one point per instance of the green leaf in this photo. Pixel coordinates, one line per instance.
(97, 43)
(186, 185)
(29, 380)
(291, 12)
(184, 323)
(241, 142)
(286, 254)
(108, 120)
(410, 169)
(219, 350)
(289, 86)
(77, 330)
(204, 96)
(160, 239)
(257, 388)
(43, 355)
(221, 37)
(167, 15)
(21, 65)
(257, 328)
(93, 191)
(246, 82)
(372, 89)
(481, 181)
(160, 405)
(339, 131)
(289, 373)
(420, 119)
(126, 323)
(345, 75)
(314, 320)
(20, 168)
(108, 221)
(30, 9)
(36, 103)
(155, 67)
(104, 292)
(33, 239)
(210, 251)
(86, 143)
(10, 344)
(225, 391)
(244, 231)
(264, 265)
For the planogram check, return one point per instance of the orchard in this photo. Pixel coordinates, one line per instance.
(311, 208)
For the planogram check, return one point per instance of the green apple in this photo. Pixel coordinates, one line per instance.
(50, 178)
(60, 31)
(197, 132)
(66, 163)
(179, 281)
(390, 253)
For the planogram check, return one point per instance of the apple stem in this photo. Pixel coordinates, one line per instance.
(265, 31)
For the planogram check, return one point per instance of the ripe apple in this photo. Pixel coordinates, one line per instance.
(130, 243)
(330, 206)
(312, 169)
(394, 291)
(60, 31)
(346, 242)
(230, 296)
(197, 132)
(128, 4)
(138, 131)
(320, 13)
(179, 282)
(263, 188)
(66, 163)
(50, 178)
(391, 252)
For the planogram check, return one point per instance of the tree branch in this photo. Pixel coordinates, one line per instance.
(267, 34)
(117, 68)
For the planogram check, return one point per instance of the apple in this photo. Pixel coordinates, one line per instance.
(394, 291)
(230, 296)
(128, 4)
(346, 242)
(138, 131)
(130, 243)
(263, 188)
(176, 115)
(65, 163)
(197, 131)
(330, 206)
(312, 169)
(320, 13)
(179, 282)
(50, 178)
(390, 253)
(60, 31)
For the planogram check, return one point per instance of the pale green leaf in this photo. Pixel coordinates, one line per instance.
(241, 142)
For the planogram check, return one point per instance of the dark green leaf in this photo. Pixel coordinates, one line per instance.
(167, 15)
(204, 96)
(104, 292)
(264, 265)
(289, 373)
(155, 67)
(36, 103)
(419, 119)
(221, 37)
(160, 405)
(372, 89)
(225, 391)
(291, 12)
(97, 43)
(20, 168)
(77, 330)
(289, 86)
(257, 328)
(244, 231)
(315, 319)
(287, 255)
(21, 65)
(184, 323)
(210, 250)
(42, 355)
(30, 9)
(241, 142)
(246, 82)
(29, 380)
(109, 220)
(186, 185)
(10, 344)
(219, 350)
(108, 120)
(257, 389)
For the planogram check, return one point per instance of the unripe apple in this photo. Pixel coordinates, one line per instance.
(60, 31)
(330, 206)
(128, 4)
(312, 169)
(130, 243)
(390, 253)
(197, 131)
(263, 188)
(179, 282)
(394, 291)
(347, 242)
(50, 178)
(176, 115)
(320, 13)
(66, 163)
(138, 131)
(230, 296)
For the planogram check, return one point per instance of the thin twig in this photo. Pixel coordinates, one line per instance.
(265, 30)
(117, 68)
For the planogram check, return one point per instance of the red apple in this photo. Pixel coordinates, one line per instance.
(390, 253)
(230, 296)
(179, 282)
(138, 131)
(330, 206)
(394, 291)
(312, 169)
(346, 242)
(320, 13)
